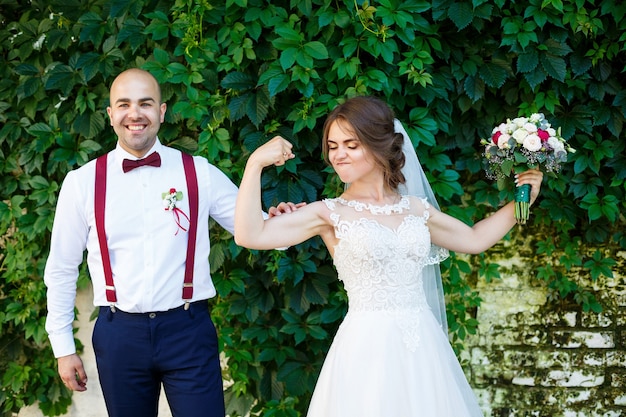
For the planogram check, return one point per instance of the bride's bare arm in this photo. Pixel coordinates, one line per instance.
(254, 232)
(451, 233)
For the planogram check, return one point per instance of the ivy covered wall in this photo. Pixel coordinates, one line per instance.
(236, 72)
(537, 355)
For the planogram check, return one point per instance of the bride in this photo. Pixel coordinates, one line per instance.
(386, 235)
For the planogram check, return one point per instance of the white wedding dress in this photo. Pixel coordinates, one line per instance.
(390, 357)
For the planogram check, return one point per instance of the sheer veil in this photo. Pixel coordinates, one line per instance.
(417, 185)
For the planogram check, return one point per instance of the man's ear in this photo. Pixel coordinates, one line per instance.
(163, 110)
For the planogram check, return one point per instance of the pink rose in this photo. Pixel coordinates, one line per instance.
(496, 136)
(543, 135)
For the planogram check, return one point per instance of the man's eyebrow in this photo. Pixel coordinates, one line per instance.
(141, 100)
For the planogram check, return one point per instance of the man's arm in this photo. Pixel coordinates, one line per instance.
(67, 245)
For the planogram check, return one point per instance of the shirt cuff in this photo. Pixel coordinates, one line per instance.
(62, 344)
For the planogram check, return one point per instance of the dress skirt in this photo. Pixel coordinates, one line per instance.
(385, 364)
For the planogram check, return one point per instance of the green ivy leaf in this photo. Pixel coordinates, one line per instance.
(93, 28)
(599, 266)
(554, 66)
(474, 88)
(536, 77)
(288, 37)
(493, 74)
(133, 33)
(527, 61)
(64, 78)
(26, 69)
(238, 81)
(158, 28)
(557, 48)
(316, 50)
(580, 64)
(461, 14)
(525, 38)
(89, 124)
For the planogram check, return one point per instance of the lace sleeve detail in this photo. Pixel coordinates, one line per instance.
(437, 253)
(331, 204)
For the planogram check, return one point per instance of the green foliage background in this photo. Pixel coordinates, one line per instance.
(237, 72)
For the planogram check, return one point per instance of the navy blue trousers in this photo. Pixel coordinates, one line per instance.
(136, 353)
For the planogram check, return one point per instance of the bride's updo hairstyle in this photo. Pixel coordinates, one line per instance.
(372, 122)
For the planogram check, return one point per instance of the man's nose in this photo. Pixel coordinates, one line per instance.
(134, 111)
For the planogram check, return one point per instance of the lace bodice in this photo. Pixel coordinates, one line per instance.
(380, 257)
(381, 253)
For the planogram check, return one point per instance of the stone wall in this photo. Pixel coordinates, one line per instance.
(533, 356)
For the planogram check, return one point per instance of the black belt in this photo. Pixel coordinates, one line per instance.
(192, 307)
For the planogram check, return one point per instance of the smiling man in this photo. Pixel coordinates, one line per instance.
(136, 111)
(142, 213)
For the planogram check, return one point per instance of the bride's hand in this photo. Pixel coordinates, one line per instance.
(276, 151)
(533, 177)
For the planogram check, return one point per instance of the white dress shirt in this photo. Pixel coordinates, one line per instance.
(147, 254)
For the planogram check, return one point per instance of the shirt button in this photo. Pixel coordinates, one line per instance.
(152, 315)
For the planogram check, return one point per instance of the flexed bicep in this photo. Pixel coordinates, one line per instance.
(287, 229)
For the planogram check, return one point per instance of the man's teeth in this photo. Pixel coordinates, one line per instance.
(135, 127)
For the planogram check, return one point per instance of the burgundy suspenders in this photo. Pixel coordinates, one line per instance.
(99, 205)
(99, 201)
(192, 190)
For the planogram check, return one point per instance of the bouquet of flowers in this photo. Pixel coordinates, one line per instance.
(521, 144)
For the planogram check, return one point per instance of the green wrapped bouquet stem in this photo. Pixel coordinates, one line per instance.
(522, 203)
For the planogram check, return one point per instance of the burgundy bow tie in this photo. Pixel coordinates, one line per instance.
(153, 160)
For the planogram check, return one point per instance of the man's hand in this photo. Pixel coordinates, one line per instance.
(72, 372)
(284, 208)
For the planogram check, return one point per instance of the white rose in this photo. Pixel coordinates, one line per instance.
(530, 127)
(532, 142)
(519, 135)
(502, 128)
(520, 121)
(556, 144)
(503, 141)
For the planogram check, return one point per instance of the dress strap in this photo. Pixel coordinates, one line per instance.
(330, 203)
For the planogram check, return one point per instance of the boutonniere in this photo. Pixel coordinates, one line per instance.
(169, 203)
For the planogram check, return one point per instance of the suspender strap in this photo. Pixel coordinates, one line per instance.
(99, 206)
(192, 191)
(99, 202)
